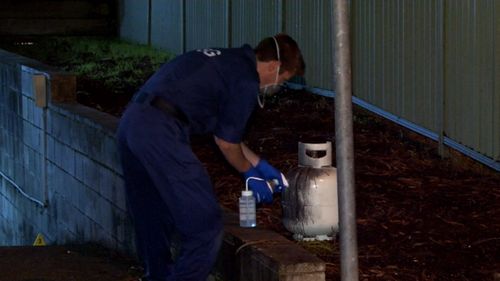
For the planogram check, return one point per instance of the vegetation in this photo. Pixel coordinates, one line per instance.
(114, 62)
(106, 69)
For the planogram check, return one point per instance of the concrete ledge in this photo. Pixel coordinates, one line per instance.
(255, 254)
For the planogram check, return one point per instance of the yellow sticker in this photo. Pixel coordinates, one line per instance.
(39, 241)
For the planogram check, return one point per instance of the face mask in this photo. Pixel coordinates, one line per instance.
(270, 89)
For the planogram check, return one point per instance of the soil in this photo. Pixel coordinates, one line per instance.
(419, 217)
(65, 263)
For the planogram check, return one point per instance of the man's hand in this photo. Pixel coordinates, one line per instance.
(262, 190)
(271, 174)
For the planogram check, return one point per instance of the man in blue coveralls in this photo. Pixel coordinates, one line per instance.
(168, 189)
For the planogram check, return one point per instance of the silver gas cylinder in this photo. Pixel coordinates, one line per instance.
(310, 204)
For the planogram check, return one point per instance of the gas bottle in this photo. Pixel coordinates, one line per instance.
(310, 204)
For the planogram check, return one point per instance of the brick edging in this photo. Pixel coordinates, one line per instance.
(257, 254)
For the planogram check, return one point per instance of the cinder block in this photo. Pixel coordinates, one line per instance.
(40, 90)
(39, 163)
(91, 174)
(38, 117)
(105, 187)
(54, 179)
(27, 162)
(2, 200)
(13, 79)
(36, 138)
(60, 127)
(18, 177)
(66, 131)
(51, 149)
(16, 102)
(79, 169)
(31, 105)
(68, 160)
(1, 159)
(24, 103)
(76, 135)
(87, 139)
(59, 207)
(29, 185)
(59, 152)
(109, 151)
(17, 148)
(53, 124)
(65, 234)
(122, 226)
(93, 231)
(87, 201)
(103, 214)
(95, 145)
(34, 163)
(119, 196)
(72, 189)
(49, 123)
(31, 135)
(62, 88)
(27, 83)
(5, 163)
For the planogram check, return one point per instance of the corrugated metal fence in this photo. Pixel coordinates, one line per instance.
(472, 76)
(433, 64)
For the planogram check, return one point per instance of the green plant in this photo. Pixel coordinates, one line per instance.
(119, 66)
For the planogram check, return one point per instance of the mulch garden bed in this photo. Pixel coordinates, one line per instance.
(419, 217)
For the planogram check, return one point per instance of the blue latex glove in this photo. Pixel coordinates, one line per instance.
(252, 172)
(271, 174)
(262, 191)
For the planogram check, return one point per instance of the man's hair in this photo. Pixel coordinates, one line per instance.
(290, 55)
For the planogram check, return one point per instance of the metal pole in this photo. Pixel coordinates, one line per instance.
(344, 143)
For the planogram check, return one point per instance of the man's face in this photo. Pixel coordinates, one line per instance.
(269, 71)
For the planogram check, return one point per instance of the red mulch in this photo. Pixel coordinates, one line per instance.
(419, 217)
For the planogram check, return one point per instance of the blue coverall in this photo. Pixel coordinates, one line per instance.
(168, 189)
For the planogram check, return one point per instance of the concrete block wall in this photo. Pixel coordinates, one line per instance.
(20, 155)
(61, 174)
(84, 176)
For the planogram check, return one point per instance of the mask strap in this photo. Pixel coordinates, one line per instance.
(278, 56)
(277, 48)
(261, 101)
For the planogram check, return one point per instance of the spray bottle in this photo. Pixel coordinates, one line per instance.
(247, 207)
(247, 204)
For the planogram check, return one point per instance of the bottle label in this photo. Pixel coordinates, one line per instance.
(247, 213)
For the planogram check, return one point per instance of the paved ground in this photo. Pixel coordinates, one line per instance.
(65, 263)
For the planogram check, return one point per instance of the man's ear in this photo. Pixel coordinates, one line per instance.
(272, 65)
